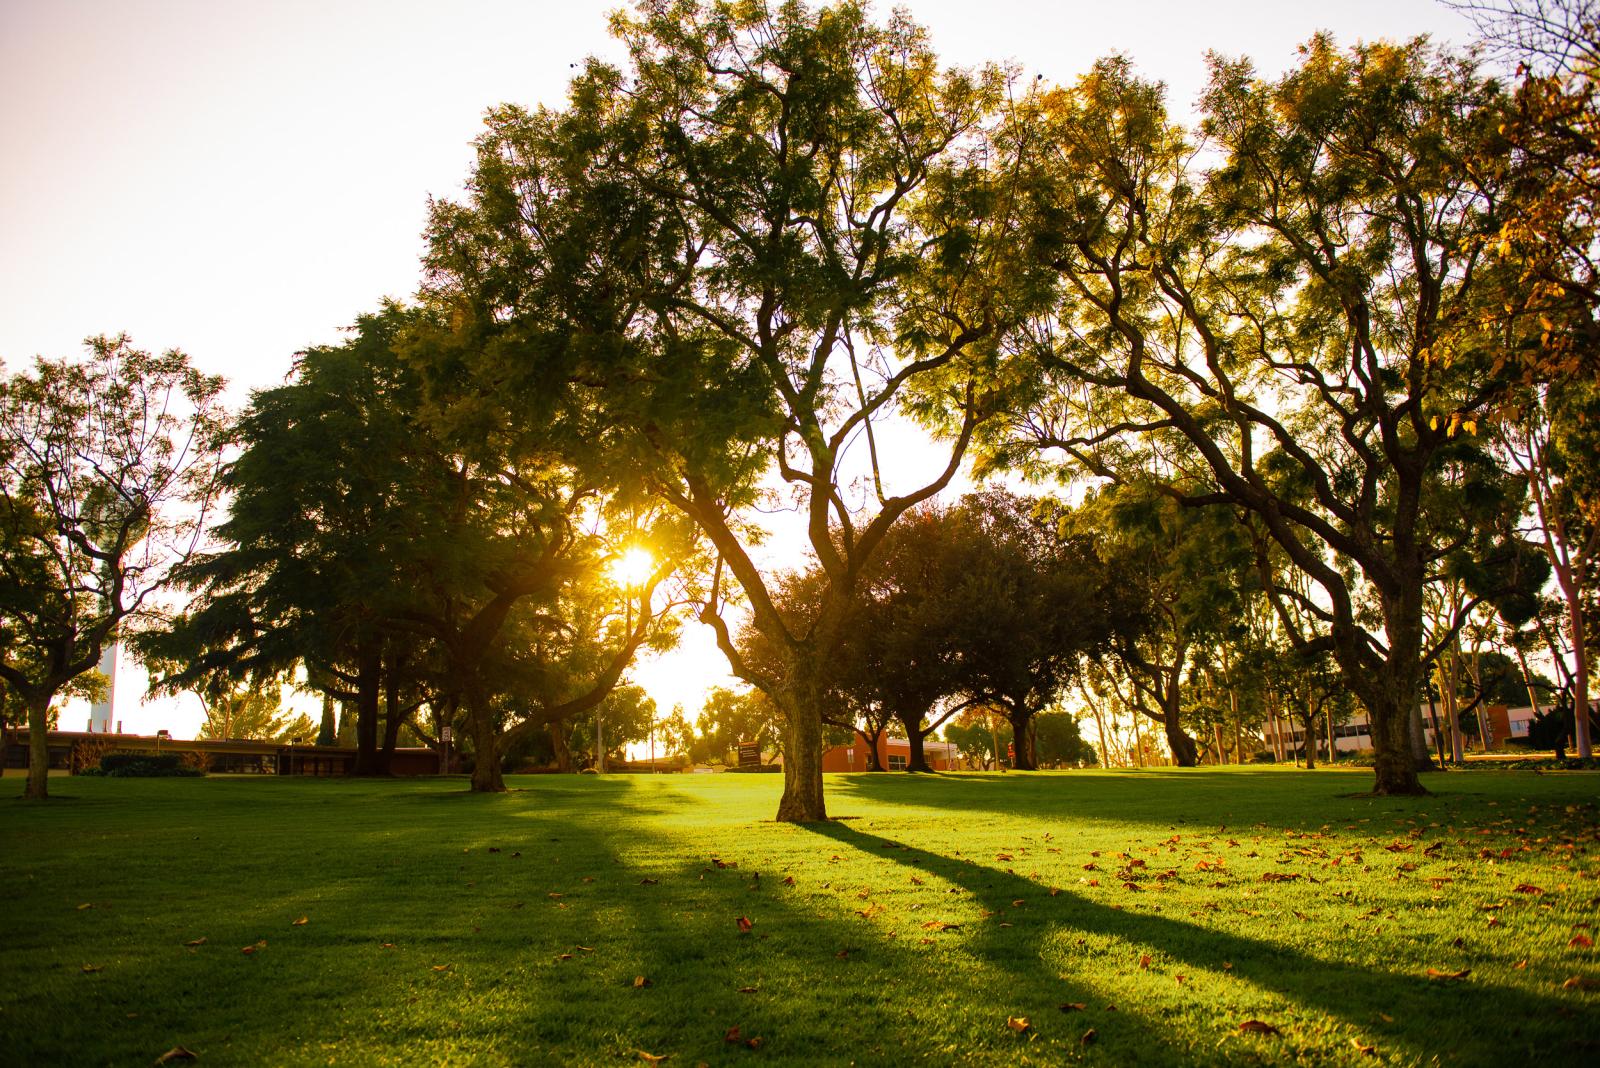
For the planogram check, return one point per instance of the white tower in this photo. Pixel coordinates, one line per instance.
(100, 711)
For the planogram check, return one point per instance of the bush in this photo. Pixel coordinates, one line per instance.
(146, 766)
(86, 756)
(1263, 757)
(759, 768)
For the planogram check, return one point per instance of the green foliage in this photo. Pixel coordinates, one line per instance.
(145, 766)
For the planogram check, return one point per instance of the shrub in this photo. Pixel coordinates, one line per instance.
(146, 766)
(85, 756)
(1263, 757)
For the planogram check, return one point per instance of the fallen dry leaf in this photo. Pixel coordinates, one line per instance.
(788, 880)
(747, 990)
(1580, 942)
(1528, 888)
(647, 881)
(1580, 982)
(196, 942)
(301, 922)
(1144, 960)
(446, 967)
(940, 925)
(86, 905)
(1073, 1006)
(1018, 903)
(1364, 1050)
(1435, 973)
(651, 1058)
(732, 1035)
(1018, 1024)
(1259, 1027)
(755, 1043)
(1088, 1037)
(92, 967)
(247, 950)
(559, 956)
(1054, 891)
(640, 982)
(745, 923)
(177, 1053)
(585, 949)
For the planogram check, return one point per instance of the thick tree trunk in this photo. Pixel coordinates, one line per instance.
(1021, 741)
(1308, 740)
(802, 800)
(38, 787)
(1580, 678)
(1419, 739)
(486, 775)
(915, 736)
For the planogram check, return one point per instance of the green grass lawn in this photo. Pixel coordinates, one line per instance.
(1130, 917)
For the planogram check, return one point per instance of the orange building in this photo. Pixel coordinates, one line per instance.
(893, 753)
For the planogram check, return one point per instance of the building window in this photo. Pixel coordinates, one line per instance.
(897, 763)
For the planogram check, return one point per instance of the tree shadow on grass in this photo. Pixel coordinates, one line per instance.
(1487, 1024)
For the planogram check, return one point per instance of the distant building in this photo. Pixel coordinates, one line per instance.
(100, 711)
(893, 753)
(1503, 724)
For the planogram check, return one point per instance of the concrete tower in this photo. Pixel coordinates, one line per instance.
(100, 712)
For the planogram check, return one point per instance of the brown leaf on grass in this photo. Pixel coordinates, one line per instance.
(732, 1036)
(1435, 973)
(788, 880)
(196, 942)
(559, 956)
(745, 923)
(915, 881)
(1073, 1006)
(940, 925)
(585, 949)
(1580, 982)
(1144, 960)
(1364, 1050)
(647, 881)
(1091, 866)
(85, 905)
(843, 954)
(1528, 888)
(640, 982)
(1018, 1024)
(1018, 903)
(1089, 1037)
(1495, 907)
(301, 922)
(177, 1053)
(1055, 891)
(446, 967)
(247, 950)
(1227, 965)
(651, 1058)
(92, 967)
(590, 878)
(755, 1043)
(554, 896)
(1521, 964)
(1580, 942)
(748, 989)
(1279, 876)
(1258, 1027)
(1132, 886)
(1093, 882)
(1002, 856)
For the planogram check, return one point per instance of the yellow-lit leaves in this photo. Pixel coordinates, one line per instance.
(1019, 1024)
(250, 950)
(301, 922)
(640, 982)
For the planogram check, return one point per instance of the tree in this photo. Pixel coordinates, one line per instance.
(730, 717)
(1057, 741)
(773, 229)
(242, 712)
(108, 471)
(1303, 315)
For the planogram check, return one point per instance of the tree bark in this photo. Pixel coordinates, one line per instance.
(802, 800)
(871, 742)
(486, 775)
(38, 787)
(914, 737)
(558, 745)
(1021, 740)
(369, 686)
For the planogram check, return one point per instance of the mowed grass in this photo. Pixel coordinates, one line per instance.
(442, 927)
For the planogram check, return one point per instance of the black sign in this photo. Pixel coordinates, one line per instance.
(749, 754)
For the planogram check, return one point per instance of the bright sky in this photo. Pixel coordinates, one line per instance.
(240, 180)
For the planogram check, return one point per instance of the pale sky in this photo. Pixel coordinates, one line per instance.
(239, 180)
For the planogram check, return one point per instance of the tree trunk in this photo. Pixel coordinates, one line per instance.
(558, 745)
(1308, 739)
(1022, 749)
(915, 736)
(1327, 721)
(1580, 679)
(1185, 753)
(369, 687)
(1419, 739)
(486, 775)
(802, 800)
(38, 787)
(871, 742)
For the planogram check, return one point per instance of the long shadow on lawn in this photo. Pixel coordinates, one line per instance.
(1478, 1015)
(1168, 798)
